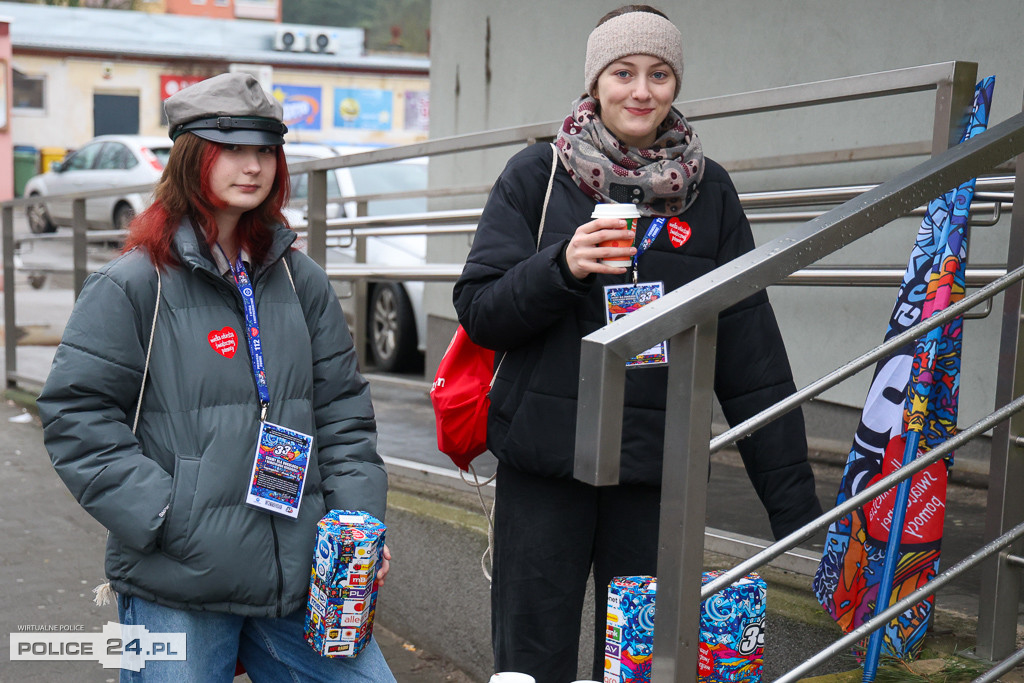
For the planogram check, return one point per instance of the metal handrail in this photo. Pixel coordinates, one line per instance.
(751, 425)
(677, 311)
(687, 317)
(906, 603)
(859, 500)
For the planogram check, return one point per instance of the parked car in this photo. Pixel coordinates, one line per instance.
(395, 319)
(107, 161)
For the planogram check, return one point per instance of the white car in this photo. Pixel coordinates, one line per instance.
(107, 161)
(396, 322)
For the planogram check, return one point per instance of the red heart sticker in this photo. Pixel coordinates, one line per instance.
(678, 232)
(224, 341)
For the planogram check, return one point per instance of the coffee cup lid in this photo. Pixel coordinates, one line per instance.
(615, 211)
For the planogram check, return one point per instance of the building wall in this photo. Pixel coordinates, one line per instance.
(496, 64)
(67, 120)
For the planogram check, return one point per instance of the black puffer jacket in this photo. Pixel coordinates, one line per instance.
(513, 297)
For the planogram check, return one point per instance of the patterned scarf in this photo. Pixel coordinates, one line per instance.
(661, 180)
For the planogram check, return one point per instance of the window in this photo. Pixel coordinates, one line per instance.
(82, 159)
(115, 156)
(29, 92)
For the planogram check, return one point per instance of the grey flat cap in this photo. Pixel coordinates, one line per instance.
(230, 108)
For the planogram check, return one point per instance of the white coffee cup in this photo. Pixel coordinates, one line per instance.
(512, 677)
(627, 212)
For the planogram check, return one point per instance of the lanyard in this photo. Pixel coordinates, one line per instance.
(652, 234)
(252, 331)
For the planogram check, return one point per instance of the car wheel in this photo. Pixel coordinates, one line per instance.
(123, 215)
(392, 328)
(38, 220)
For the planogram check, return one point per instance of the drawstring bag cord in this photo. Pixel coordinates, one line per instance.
(104, 593)
(487, 559)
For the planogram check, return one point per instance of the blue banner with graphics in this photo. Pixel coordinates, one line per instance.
(848, 580)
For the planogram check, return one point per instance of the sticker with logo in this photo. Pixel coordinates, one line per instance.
(678, 232)
(223, 341)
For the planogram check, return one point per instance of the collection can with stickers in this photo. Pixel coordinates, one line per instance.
(342, 585)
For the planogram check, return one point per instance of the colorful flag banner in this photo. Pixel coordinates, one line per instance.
(848, 577)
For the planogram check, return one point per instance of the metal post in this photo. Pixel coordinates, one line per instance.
(10, 327)
(599, 415)
(360, 289)
(1000, 583)
(954, 100)
(79, 242)
(684, 480)
(316, 218)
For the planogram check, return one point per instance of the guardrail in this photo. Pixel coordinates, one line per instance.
(688, 318)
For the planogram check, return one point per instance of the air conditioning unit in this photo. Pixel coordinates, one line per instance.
(324, 42)
(290, 40)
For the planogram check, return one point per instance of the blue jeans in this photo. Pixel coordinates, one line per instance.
(271, 649)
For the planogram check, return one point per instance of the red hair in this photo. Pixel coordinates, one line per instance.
(184, 191)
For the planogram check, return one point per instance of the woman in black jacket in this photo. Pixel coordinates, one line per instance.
(625, 143)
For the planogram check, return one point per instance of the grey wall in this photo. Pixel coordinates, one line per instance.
(497, 64)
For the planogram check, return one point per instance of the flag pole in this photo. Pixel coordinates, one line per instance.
(892, 551)
(922, 379)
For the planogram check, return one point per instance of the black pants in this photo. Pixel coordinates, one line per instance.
(547, 534)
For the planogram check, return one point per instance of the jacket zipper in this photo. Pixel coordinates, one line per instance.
(280, 571)
(273, 521)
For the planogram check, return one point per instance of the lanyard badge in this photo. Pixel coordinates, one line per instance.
(282, 455)
(279, 470)
(621, 300)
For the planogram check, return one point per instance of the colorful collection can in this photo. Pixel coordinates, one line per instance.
(629, 634)
(343, 586)
(731, 631)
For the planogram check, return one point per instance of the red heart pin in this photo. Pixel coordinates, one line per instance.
(223, 341)
(678, 232)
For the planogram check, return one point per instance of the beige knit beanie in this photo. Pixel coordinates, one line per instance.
(633, 33)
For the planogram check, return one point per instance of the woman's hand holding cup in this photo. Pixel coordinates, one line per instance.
(605, 244)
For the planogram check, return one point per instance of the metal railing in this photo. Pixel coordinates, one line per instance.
(688, 318)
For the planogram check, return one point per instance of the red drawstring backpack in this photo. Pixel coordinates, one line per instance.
(460, 398)
(464, 379)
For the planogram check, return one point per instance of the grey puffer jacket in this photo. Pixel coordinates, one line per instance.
(172, 494)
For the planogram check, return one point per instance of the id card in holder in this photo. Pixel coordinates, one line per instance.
(279, 470)
(622, 300)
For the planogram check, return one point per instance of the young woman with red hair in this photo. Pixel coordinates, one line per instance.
(209, 343)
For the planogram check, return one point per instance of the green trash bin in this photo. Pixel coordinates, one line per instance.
(26, 165)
